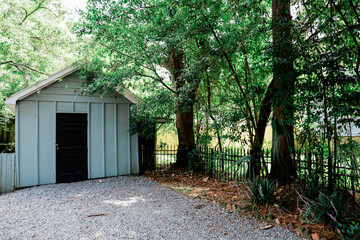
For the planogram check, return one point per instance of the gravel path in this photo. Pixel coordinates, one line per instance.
(120, 208)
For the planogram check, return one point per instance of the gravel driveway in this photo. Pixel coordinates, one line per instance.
(120, 208)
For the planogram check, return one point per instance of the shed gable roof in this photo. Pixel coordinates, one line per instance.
(11, 100)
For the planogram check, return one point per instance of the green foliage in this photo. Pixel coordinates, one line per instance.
(350, 229)
(350, 151)
(8, 148)
(262, 191)
(193, 162)
(328, 70)
(333, 209)
(326, 208)
(143, 116)
(34, 41)
(311, 191)
(143, 125)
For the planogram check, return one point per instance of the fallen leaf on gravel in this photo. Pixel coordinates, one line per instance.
(199, 206)
(266, 227)
(315, 236)
(291, 227)
(224, 233)
(229, 207)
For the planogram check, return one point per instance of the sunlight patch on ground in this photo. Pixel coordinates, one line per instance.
(125, 202)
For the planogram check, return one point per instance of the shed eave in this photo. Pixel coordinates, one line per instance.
(130, 96)
(12, 100)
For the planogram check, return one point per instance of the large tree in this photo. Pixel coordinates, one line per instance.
(135, 41)
(284, 78)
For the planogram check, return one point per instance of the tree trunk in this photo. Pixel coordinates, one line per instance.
(256, 147)
(184, 110)
(185, 129)
(282, 165)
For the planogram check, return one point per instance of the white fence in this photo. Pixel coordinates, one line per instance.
(7, 172)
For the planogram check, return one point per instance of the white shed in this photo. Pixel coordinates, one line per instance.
(62, 135)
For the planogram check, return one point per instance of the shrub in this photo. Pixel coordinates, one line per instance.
(326, 208)
(312, 189)
(351, 228)
(262, 191)
(333, 209)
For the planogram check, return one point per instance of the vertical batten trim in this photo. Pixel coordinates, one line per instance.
(88, 140)
(103, 138)
(17, 147)
(73, 106)
(137, 153)
(129, 146)
(116, 139)
(37, 142)
(55, 140)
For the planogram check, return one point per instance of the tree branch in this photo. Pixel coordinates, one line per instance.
(27, 14)
(232, 68)
(21, 65)
(355, 11)
(141, 65)
(126, 55)
(349, 27)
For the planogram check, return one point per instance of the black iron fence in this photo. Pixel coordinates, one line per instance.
(234, 165)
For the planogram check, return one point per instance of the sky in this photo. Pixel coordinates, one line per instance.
(73, 5)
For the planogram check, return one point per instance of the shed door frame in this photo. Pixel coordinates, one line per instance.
(80, 147)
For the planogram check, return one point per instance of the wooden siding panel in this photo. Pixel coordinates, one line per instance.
(7, 172)
(67, 83)
(110, 135)
(134, 154)
(28, 165)
(73, 92)
(123, 139)
(47, 162)
(96, 145)
(80, 107)
(68, 89)
(65, 107)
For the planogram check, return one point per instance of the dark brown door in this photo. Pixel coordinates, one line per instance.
(71, 148)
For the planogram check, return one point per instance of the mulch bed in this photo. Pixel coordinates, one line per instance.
(285, 212)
